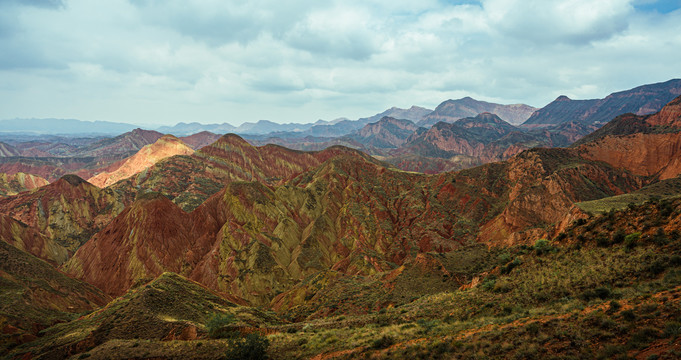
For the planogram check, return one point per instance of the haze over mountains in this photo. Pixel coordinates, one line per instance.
(421, 241)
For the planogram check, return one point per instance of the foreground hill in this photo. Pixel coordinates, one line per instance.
(168, 308)
(164, 147)
(34, 296)
(641, 100)
(590, 292)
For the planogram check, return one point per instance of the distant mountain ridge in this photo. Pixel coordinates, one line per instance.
(641, 100)
(452, 110)
(58, 126)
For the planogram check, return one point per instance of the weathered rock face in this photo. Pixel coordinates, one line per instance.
(646, 146)
(30, 240)
(67, 211)
(642, 154)
(16, 183)
(546, 184)
(164, 147)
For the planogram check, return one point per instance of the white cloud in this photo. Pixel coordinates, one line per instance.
(153, 61)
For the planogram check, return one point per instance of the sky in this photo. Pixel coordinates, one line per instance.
(160, 62)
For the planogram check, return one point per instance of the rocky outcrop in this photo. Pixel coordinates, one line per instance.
(164, 147)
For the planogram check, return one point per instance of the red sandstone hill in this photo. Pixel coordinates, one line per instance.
(645, 145)
(166, 146)
(348, 214)
(190, 180)
(67, 211)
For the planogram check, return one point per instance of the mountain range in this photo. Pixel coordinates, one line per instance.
(546, 241)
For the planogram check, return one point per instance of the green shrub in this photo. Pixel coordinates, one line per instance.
(672, 329)
(660, 238)
(542, 246)
(252, 347)
(597, 293)
(382, 342)
(628, 315)
(643, 337)
(218, 326)
(631, 240)
(602, 241)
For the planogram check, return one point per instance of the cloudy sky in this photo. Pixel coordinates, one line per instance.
(164, 61)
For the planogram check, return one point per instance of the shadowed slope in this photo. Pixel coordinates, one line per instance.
(35, 295)
(169, 307)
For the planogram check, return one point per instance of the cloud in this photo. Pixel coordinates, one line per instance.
(165, 61)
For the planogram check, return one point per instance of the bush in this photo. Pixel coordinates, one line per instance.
(252, 347)
(660, 238)
(382, 342)
(542, 246)
(618, 237)
(218, 326)
(597, 293)
(631, 240)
